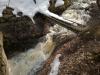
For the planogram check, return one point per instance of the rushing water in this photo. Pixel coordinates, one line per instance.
(27, 63)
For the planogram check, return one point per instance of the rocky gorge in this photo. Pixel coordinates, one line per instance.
(45, 48)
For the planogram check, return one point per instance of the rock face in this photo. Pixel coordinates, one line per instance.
(18, 31)
(4, 70)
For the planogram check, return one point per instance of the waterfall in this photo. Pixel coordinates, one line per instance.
(28, 62)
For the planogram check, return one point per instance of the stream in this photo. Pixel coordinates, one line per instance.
(29, 62)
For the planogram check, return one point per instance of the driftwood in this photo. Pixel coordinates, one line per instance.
(3, 59)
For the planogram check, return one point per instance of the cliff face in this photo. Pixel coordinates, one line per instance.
(4, 69)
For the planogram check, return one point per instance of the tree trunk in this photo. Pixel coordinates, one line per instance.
(3, 58)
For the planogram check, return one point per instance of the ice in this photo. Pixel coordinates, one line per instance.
(59, 3)
(55, 65)
(28, 7)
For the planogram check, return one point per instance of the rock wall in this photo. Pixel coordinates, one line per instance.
(4, 70)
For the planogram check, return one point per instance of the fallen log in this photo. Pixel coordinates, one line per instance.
(3, 59)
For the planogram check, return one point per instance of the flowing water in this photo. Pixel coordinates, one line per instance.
(27, 63)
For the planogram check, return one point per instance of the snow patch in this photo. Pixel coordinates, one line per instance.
(77, 12)
(59, 3)
(55, 65)
(28, 7)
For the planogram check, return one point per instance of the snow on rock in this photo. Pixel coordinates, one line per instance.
(55, 65)
(80, 16)
(28, 7)
(77, 12)
(3, 4)
(59, 3)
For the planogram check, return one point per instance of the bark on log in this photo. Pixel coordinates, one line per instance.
(3, 59)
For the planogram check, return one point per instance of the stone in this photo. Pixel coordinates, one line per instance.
(4, 70)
